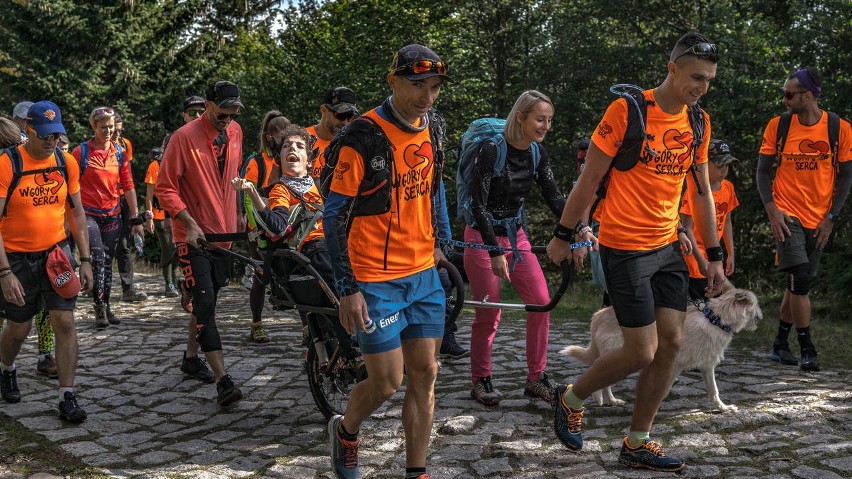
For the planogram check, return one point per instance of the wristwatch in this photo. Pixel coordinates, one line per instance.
(831, 217)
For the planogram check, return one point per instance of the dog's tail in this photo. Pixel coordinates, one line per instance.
(591, 352)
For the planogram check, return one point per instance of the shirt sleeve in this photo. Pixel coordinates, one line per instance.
(348, 172)
(609, 133)
(126, 176)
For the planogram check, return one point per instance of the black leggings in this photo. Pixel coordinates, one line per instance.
(104, 232)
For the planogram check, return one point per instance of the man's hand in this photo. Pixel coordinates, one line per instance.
(778, 222)
(138, 230)
(685, 244)
(715, 279)
(558, 250)
(13, 292)
(86, 277)
(149, 225)
(193, 234)
(353, 312)
(438, 254)
(822, 232)
(729, 265)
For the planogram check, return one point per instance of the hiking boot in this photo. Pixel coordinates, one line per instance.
(344, 454)
(484, 393)
(70, 411)
(452, 350)
(781, 353)
(809, 360)
(101, 319)
(540, 388)
(185, 296)
(227, 393)
(9, 386)
(567, 422)
(197, 368)
(111, 317)
(649, 455)
(171, 291)
(47, 366)
(248, 277)
(259, 334)
(133, 295)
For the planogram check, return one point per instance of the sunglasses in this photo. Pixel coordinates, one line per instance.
(225, 116)
(103, 111)
(345, 116)
(702, 49)
(194, 112)
(49, 137)
(789, 95)
(421, 66)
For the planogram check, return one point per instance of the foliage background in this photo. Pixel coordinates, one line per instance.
(145, 57)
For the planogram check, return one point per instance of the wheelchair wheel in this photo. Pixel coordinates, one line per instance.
(331, 384)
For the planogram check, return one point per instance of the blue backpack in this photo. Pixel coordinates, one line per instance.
(84, 156)
(480, 131)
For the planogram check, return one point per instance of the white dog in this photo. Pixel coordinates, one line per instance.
(704, 338)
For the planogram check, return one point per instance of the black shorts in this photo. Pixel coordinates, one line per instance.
(30, 270)
(798, 248)
(640, 281)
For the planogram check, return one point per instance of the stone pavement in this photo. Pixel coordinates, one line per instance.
(147, 420)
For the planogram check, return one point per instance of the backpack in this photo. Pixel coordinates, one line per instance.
(370, 141)
(84, 156)
(478, 132)
(261, 168)
(18, 173)
(630, 151)
(833, 134)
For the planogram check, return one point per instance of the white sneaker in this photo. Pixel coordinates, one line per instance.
(248, 277)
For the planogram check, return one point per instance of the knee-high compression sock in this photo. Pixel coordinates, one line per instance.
(784, 329)
(804, 337)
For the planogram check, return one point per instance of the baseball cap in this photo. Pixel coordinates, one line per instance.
(45, 118)
(341, 100)
(720, 153)
(62, 277)
(21, 110)
(582, 147)
(224, 94)
(194, 100)
(418, 62)
(156, 153)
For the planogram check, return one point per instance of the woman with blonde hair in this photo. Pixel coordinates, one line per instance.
(104, 170)
(496, 200)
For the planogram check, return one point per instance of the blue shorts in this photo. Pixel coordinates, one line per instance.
(405, 308)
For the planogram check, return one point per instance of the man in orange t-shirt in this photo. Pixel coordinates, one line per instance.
(803, 203)
(31, 228)
(390, 293)
(337, 110)
(645, 272)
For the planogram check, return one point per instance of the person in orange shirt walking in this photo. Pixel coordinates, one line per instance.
(645, 272)
(337, 110)
(803, 202)
(35, 268)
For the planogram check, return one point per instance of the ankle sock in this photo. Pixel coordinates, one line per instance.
(414, 472)
(635, 438)
(571, 400)
(346, 434)
(4, 367)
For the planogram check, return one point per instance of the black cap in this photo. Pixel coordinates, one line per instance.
(156, 153)
(409, 54)
(224, 94)
(584, 144)
(720, 153)
(194, 100)
(341, 100)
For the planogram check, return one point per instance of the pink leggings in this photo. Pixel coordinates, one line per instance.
(529, 282)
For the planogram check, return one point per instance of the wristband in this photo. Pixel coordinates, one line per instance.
(136, 220)
(579, 226)
(7, 268)
(85, 259)
(681, 230)
(6, 273)
(563, 233)
(715, 253)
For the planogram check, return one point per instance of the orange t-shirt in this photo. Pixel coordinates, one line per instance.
(725, 199)
(318, 153)
(400, 242)
(35, 216)
(151, 179)
(252, 171)
(804, 180)
(281, 196)
(642, 203)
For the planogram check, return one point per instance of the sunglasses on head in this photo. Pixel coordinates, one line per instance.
(345, 116)
(195, 112)
(421, 66)
(789, 95)
(103, 111)
(701, 49)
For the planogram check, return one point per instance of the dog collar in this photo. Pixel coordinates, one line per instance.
(711, 316)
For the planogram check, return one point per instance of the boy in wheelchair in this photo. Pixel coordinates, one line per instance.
(292, 218)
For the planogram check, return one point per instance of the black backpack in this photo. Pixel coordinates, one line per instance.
(630, 151)
(18, 167)
(373, 145)
(833, 134)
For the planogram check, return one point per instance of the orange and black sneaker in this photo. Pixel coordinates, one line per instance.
(567, 421)
(344, 452)
(649, 455)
